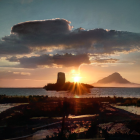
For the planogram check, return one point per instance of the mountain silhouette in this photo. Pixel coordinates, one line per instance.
(114, 78)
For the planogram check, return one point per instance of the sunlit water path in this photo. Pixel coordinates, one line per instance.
(95, 92)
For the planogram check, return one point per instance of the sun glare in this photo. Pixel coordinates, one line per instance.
(73, 71)
(76, 96)
(76, 79)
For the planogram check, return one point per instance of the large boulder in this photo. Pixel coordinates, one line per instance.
(61, 78)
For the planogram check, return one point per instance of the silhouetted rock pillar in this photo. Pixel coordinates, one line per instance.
(61, 78)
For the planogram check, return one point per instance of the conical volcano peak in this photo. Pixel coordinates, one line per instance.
(113, 78)
(115, 74)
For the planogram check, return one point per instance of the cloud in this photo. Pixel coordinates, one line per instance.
(66, 60)
(12, 45)
(13, 75)
(26, 36)
(43, 27)
(110, 60)
(57, 33)
(58, 38)
(22, 73)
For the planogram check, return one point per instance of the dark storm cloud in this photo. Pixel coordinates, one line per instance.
(59, 34)
(14, 49)
(67, 60)
(12, 45)
(25, 36)
(46, 27)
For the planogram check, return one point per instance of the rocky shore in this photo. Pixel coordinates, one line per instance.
(104, 119)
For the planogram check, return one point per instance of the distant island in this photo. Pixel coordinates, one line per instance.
(115, 80)
(61, 85)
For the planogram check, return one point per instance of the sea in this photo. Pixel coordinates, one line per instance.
(94, 92)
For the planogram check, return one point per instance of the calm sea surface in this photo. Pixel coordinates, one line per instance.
(95, 92)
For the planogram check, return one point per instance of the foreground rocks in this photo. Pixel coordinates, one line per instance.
(107, 121)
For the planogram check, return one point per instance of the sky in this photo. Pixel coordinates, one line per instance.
(88, 38)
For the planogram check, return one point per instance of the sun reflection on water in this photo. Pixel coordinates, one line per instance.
(76, 96)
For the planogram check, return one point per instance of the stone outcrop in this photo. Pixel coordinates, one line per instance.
(61, 78)
(61, 85)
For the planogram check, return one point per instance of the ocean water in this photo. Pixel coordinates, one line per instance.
(132, 109)
(95, 92)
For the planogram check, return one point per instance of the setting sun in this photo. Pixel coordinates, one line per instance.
(77, 79)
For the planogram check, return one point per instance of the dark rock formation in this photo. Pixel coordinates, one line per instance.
(61, 85)
(61, 78)
(76, 88)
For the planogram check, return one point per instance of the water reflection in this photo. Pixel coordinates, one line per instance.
(132, 109)
(6, 106)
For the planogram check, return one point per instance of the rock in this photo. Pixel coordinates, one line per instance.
(61, 78)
